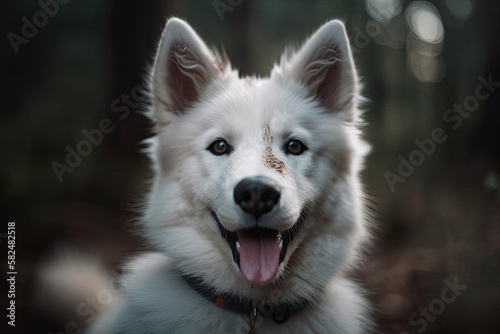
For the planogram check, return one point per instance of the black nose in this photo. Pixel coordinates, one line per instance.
(256, 195)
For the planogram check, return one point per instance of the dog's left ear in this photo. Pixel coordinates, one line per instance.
(184, 68)
(325, 65)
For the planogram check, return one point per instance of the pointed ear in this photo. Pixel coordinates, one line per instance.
(325, 66)
(184, 67)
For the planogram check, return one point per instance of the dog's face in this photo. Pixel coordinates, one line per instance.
(256, 178)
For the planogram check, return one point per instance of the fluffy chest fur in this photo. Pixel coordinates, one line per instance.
(158, 300)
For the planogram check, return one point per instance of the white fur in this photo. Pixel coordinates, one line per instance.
(311, 95)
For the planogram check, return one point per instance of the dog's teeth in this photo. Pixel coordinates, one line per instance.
(238, 246)
(279, 240)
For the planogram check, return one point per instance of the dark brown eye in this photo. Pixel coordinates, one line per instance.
(219, 147)
(295, 147)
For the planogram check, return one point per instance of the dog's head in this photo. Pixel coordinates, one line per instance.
(256, 186)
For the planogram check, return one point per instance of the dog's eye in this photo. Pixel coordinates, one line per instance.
(219, 147)
(295, 147)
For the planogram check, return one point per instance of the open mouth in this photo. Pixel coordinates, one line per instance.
(258, 252)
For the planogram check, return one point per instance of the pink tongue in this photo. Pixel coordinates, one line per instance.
(259, 255)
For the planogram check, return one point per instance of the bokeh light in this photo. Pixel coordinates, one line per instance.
(425, 42)
(425, 22)
(461, 9)
(383, 10)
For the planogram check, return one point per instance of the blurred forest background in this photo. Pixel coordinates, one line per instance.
(419, 60)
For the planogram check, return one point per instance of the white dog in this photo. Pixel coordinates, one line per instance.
(256, 207)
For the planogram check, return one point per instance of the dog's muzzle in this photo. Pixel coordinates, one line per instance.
(257, 251)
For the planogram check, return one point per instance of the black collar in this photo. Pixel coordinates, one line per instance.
(279, 312)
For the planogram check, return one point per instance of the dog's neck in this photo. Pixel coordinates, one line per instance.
(279, 312)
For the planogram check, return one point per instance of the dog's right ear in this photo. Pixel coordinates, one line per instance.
(184, 66)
